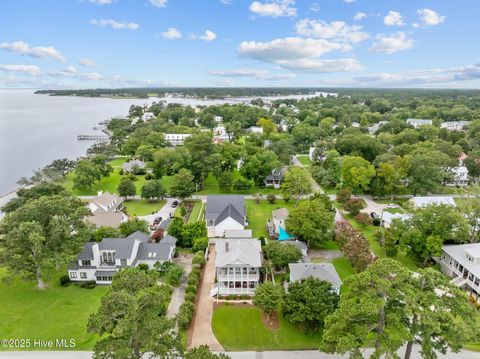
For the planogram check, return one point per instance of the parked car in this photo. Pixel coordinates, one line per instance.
(392, 206)
(374, 215)
(174, 204)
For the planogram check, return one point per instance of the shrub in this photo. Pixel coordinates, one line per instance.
(344, 194)
(65, 280)
(185, 315)
(364, 219)
(174, 275)
(183, 210)
(199, 258)
(121, 172)
(149, 176)
(143, 267)
(354, 206)
(88, 285)
(262, 240)
(192, 281)
(242, 184)
(376, 222)
(191, 289)
(271, 198)
(200, 244)
(190, 297)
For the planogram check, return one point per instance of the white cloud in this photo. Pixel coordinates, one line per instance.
(252, 73)
(349, 1)
(208, 36)
(320, 65)
(86, 62)
(171, 34)
(393, 18)
(338, 30)
(274, 8)
(101, 2)
(390, 44)
(22, 48)
(359, 16)
(158, 3)
(429, 17)
(123, 25)
(24, 69)
(226, 2)
(315, 7)
(72, 72)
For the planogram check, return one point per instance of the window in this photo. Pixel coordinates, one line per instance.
(237, 270)
(73, 275)
(123, 262)
(210, 223)
(83, 275)
(86, 263)
(252, 284)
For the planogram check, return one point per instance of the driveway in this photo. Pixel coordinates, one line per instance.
(202, 330)
(163, 212)
(315, 186)
(178, 295)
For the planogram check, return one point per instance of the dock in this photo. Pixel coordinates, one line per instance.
(100, 138)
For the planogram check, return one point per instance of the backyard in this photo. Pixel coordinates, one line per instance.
(56, 312)
(259, 213)
(304, 160)
(250, 333)
(142, 207)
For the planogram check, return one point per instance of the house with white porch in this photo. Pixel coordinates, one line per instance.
(461, 262)
(106, 210)
(176, 139)
(237, 263)
(459, 177)
(220, 134)
(322, 271)
(275, 178)
(223, 213)
(454, 125)
(99, 261)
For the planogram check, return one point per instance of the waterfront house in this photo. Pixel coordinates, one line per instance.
(106, 210)
(275, 178)
(461, 262)
(133, 166)
(99, 261)
(176, 139)
(416, 123)
(322, 271)
(225, 212)
(237, 263)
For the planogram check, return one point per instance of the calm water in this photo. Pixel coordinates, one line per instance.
(36, 129)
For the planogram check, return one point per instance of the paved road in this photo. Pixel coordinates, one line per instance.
(315, 186)
(297, 354)
(178, 295)
(202, 329)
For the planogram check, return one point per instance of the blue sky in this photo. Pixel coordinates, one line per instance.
(358, 43)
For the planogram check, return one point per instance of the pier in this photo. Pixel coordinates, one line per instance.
(100, 138)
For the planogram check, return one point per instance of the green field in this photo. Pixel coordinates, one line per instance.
(212, 187)
(241, 328)
(343, 267)
(142, 207)
(54, 313)
(304, 160)
(259, 213)
(194, 216)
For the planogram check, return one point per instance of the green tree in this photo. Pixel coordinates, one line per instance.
(153, 190)
(43, 233)
(190, 232)
(133, 225)
(296, 183)
(259, 165)
(356, 173)
(267, 125)
(63, 166)
(126, 187)
(203, 352)
(308, 302)
(182, 185)
(225, 181)
(268, 297)
(280, 255)
(27, 194)
(145, 152)
(86, 174)
(131, 320)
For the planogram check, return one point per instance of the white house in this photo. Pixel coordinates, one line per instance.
(416, 123)
(130, 166)
(462, 263)
(237, 263)
(99, 261)
(454, 125)
(322, 271)
(255, 129)
(220, 134)
(279, 216)
(375, 127)
(106, 210)
(426, 201)
(223, 213)
(388, 217)
(275, 178)
(459, 177)
(176, 139)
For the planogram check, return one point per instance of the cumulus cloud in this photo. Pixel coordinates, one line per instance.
(274, 8)
(252, 73)
(390, 44)
(22, 48)
(429, 17)
(338, 30)
(101, 2)
(171, 34)
(87, 62)
(321, 65)
(72, 72)
(349, 1)
(23, 69)
(359, 16)
(116, 25)
(393, 18)
(208, 36)
(158, 3)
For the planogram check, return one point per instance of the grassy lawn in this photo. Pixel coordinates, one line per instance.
(258, 213)
(54, 313)
(251, 333)
(304, 160)
(343, 267)
(197, 206)
(212, 187)
(142, 207)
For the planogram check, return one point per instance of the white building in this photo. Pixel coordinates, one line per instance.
(387, 218)
(459, 177)
(375, 127)
(454, 125)
(220, 134)
(322, 271)
(176, 139)
(416, 123)
(255, 129)
(106, 210)
(99, 261)
(237, 262)
(225, 213)
(426, 201)
(130, 166)
(462, 263)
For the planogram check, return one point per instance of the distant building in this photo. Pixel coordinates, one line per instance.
(418, 202)
(459, 177)
(255, 129)
(176, 139)
(218, 119)
(132, 165)
(322, 271)
(387, 218)
(237, 263)
(100, 261)
(275, 178)
(220, 134)
(375, 127)
(454, 125)
(106, 210)
(225, 213)
(416, 123)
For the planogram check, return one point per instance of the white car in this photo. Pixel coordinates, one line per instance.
(392, 206)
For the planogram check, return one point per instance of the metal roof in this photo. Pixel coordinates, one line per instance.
(322, 271)
(240, 251)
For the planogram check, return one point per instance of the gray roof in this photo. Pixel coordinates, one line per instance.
(432, 200)
(167, 239)
(240, 251)
(277, 174)
(107, 219)
(459, 251)
(106, 199)
(127, 166)
(123, 247)
(154, 251)
(108, 273)
(238, 233)
(165, 223)
(322, 271)
(220, 207)
(141, 236)
(86, 253)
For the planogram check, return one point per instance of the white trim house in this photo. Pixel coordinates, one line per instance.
(224, 213)
(322, 271)
(176, 139)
